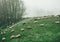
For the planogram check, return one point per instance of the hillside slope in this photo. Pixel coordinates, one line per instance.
(33, 30)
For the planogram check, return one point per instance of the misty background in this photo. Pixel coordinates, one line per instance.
(36, 8)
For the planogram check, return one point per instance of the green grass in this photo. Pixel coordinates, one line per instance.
(49, 33)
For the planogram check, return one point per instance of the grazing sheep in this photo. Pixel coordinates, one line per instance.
(39, 18)
(42, 17)
(12, 37)
(2, 33)
(22, 29)
(10, 27)
(12, 30)
(17, 36)
(57, 22)
(46, 17)
(12, 23)
(50, 16)
(3, 38)
(42, 25)
(35, 21)
(29, 27)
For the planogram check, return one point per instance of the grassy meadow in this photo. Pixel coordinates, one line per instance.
(33, 30)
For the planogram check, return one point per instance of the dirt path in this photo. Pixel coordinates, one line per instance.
(27, 20)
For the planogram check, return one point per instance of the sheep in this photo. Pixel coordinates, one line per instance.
(12, 37)
(44, 17)
(2, 33)
(12, 30)
(57, 22)
(29, 27)
(10, 27)
(3, 38)
(49, 16)
(22, 29)
(38, 18)
(17, 36)
(35, 21)
(12, 23)
(42, 25)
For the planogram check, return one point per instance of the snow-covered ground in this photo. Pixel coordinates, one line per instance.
(41, 7)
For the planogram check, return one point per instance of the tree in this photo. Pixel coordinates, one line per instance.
(11, 11)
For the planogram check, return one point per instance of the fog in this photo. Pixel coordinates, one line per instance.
(41, 7)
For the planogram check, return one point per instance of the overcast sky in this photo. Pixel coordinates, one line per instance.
(32, 5)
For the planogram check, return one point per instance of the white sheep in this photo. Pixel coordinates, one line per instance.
(3, 38)
(12, 37)
(29, 27)
(2, 33)
(12, 30)
(22, 29)
(39, 18)
(57, 22)
(12, 23)
(10, 27)
(35, 21)
(42, 25)
(17, 36)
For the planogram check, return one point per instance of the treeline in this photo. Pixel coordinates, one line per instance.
(11, 11)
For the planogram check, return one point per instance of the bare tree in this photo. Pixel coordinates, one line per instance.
(11, 11)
